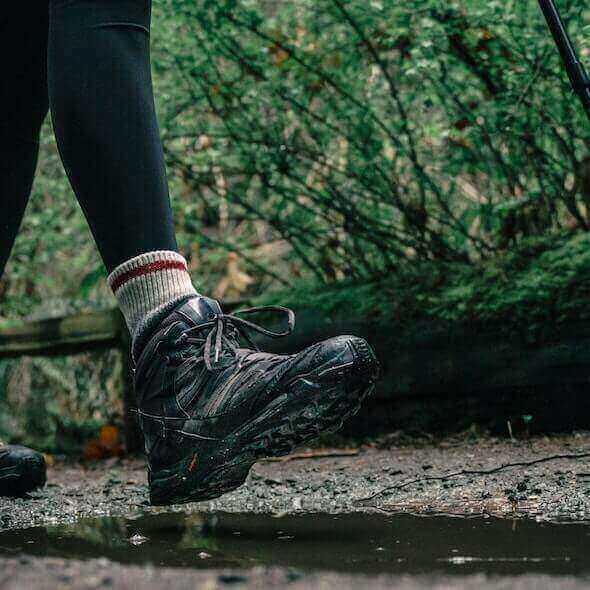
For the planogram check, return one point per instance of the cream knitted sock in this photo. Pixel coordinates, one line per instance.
(149, 282)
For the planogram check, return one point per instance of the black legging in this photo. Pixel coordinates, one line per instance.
(88, 61)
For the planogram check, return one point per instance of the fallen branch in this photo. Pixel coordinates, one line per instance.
(312, 455)
(464, 472)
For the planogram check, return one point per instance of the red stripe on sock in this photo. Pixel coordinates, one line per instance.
(147, 269)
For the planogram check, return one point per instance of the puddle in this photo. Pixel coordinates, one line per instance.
(344, 543)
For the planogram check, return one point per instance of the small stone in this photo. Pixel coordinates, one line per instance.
(232, 578)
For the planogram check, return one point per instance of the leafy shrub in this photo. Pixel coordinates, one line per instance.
(368, 134)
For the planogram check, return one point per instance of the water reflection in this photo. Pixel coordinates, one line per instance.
(346, 543)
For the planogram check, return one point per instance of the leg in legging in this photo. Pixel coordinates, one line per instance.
(104, 118)
(23, 104)
(23, 100)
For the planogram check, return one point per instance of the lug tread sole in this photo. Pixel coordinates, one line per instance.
(291, 420)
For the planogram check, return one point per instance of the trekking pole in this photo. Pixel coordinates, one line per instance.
(575, 69)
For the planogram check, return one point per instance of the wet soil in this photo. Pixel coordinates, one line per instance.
(555, 489)
(349, 492)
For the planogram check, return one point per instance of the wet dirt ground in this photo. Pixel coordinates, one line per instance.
(548, 481)
(49, 574)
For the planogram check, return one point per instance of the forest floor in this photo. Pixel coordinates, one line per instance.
(544, 479)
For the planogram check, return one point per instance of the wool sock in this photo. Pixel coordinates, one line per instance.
(148, 284)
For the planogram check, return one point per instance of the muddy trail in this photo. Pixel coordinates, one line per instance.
(489, 513)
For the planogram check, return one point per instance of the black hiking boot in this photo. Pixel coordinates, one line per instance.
(210, 409)
(22, 470)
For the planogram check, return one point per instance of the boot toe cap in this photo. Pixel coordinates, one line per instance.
(348, 359)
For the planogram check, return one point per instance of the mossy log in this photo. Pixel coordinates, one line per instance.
(76, 334)
(436, 377)
(63, 335)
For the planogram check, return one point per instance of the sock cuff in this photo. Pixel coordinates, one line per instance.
(147, 282)
(144, 265)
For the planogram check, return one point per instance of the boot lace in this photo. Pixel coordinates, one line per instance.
(221, 334)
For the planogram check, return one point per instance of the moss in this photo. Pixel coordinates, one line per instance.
(541, 283)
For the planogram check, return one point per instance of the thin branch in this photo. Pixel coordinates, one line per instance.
(464, 472)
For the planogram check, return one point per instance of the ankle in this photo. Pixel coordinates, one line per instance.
(149, 283)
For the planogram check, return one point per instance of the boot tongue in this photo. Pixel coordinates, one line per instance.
(199, 310)
(194, 311)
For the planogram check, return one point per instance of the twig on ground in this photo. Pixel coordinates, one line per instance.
(464, 472)
(321, 454)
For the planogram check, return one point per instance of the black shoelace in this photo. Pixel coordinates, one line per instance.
(224, 332)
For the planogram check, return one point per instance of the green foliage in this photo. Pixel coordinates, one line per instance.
(337, 139)
(541, 284)
(370, 134)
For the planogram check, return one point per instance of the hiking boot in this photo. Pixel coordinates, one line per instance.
(209, 409)
(21, 470)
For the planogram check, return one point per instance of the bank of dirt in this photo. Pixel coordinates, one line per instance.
(420, 478)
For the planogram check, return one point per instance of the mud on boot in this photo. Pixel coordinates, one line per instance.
(210, 408)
